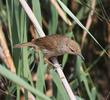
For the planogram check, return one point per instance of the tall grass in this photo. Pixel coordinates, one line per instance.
(18, 27)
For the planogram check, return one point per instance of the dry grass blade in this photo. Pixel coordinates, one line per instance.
(61, 12)
(2, 57)
(6, 52)
(89, 21)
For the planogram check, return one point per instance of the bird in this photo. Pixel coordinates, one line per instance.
(53, 46)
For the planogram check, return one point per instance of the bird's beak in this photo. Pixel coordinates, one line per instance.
(81, 56)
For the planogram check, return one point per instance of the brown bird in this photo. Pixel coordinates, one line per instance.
(53, 45)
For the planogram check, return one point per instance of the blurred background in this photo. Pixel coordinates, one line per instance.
(88, 78)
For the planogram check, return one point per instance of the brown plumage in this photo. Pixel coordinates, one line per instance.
(53, 45)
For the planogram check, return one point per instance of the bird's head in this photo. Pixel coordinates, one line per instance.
(74, 48)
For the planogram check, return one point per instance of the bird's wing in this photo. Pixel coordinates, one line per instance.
(49, 43)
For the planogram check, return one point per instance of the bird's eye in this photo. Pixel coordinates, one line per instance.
(72, 50)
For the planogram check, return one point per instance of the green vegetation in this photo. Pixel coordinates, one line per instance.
(86, 78)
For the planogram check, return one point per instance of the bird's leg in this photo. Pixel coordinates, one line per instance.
(53, 66)
(49, 63)
(56, 65)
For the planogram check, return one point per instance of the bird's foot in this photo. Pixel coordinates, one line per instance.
(56, 66)
(53, 66)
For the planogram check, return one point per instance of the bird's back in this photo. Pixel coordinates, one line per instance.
(49, 42)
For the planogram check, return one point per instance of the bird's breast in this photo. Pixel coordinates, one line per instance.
(53, 53)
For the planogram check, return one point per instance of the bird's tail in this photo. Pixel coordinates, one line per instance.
(24, 45)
